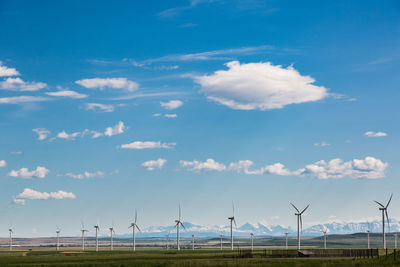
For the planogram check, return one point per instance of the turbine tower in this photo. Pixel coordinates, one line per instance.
(134, 227)
(58, 237)
(111, 236)
(324, 232)
(221, 236)
(178, 223)
(192, 242)
(368, 231)
(97, 228)
(384, 212)
(232, 220)
(299, 223)
(286, 244)
(83, 230)
(11, 232)
(167, 236)
(252, 241)
(395, 240)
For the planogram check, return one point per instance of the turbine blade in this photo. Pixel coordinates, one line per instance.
(182, 225)
(129, 226)
(235, 223)
(390, 199)
(379, 203)
(135, 216)
(294, 207)
(305, 209)
(138, 228)
(301, 223)
(387, 218)
(179, 212)
(233, 209)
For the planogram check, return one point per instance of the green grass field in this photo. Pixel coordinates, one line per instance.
(75, 257)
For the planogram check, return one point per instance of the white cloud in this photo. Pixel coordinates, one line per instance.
(24, 173)
(157, 114)
(65, 135)
(98, 106)
(170, 115)
(19, 201)
(16, 152)
(3, 163)
(33, 194)
(17, 84)
(147, 145)
(170, 105)
(207, 165)
(115, 83)
(22, 99)
(323, 143)
(117, 129)
(154, 164)
(259, 86)
(42, 133)
(5, 71)
(375, 134)
(67, 93)
(85, 175)
(370, 168)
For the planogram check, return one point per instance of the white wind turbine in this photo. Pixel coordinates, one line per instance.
(299, 224)
(177, 224)
(324, 231)
(134, 227)
(111, 236)
(97, 228)
(384, 212)
(58, 237)
(286, 244)
(252, 241)
(232, 220)
(192, 242)
(83, 230)
(368, 231)
(11, 241)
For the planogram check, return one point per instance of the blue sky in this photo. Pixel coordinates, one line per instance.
(105, 108)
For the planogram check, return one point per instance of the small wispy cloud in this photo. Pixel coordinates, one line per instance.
(39, 172)
(173, 104)
(31, 194)
(99, 107)
(375, 134)
(154, 164)
(85, 175)
(67, 94)
(113, 83)
(148, 145)
(22, 99)
(323, 143)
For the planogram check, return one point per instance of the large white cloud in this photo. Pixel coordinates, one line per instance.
(64, 135)
(39, 172)
(259, 86)
(147, 145)
(42, 133)
(67, 93)
(3, 163)
(375, 134)
(208, 165)
(114, 83)
(170, 105)
(17, 84)
(154, 164)
(5, 71)
(85, 175)
(29, 193)
(368, 168)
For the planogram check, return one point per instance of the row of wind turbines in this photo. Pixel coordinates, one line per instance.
(178, 224)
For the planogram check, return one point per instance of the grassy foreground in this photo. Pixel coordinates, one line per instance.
(171, 258)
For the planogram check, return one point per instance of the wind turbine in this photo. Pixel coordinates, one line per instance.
(384, 211)
(252, 241)
(232, 220)
(299, 223)
(111, 235)
(324, 232)
(368, 231)
(178, 223)
(58, 237)
(221, 236)
(134, 227)
(286, 234)
(11, 232)
(97, 228)
(83, 230)
(192, 242)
